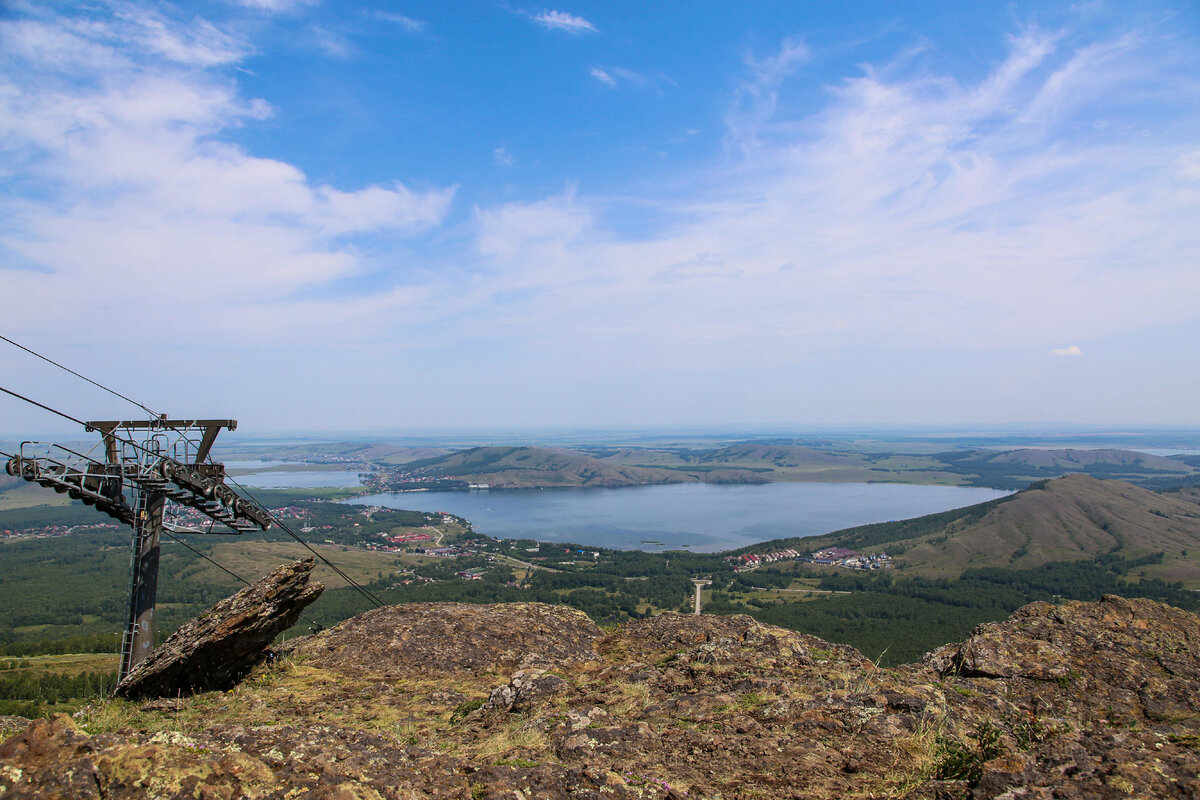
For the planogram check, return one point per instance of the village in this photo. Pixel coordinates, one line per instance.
(49, 531)
(829, 556)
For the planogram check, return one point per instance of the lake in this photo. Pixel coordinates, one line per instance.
(699, 516)
(312, 479)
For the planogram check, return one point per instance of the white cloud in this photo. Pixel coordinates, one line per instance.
(527, 231)
(1189, 165)
(909, 204)
(612, 76)
(702, 267)
(914, 213)
(562, 21)
(141, 204)
(275, 6)
(502, 157)
(331, 43)
(196, 41)
(756, 98)
(407, 23)
(603, 77)
(66, 46)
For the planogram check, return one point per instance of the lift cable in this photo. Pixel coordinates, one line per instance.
(166, 423)
(210, 560)
(361, 589)
(230, 572)
(142, 406)
(367, 593)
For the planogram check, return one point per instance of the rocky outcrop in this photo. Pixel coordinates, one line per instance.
(53, 759)
(447, 638)
(10, 725)
(1081, 700)
(1131, 661)
(218, 648)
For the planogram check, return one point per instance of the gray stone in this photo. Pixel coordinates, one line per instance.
(218, 648)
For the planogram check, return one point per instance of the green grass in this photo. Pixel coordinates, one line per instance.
(27, 495)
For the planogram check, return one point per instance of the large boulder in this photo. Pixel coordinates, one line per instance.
(218, 648)
(1120, 658)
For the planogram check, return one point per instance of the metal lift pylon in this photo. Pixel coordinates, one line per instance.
(161, 483)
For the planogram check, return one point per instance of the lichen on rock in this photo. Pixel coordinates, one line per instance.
(221, 646)
(1080, 700)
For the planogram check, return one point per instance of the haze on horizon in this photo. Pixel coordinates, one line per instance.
(318, 216)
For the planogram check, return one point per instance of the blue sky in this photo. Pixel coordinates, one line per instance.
(316, 215)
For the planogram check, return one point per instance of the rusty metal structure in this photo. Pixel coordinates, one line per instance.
(154, 475)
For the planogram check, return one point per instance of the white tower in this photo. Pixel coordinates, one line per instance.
(700, 583)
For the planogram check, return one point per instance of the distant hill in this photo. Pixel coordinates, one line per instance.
(779, 456)
(1017, 468)
(526, 467)
(1070, 518)
(1082, 459)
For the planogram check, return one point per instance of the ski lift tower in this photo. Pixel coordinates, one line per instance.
(154, 475)
(700, 583)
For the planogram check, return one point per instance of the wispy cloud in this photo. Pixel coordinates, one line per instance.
(603, 77)
(702, 267)
(275, 6)
(531, 231)
(613, 76)
(408, 24)
(912, 210)
(562, 21)
(908, 204)
(139, 191)
(755, 100)
(331, 43)
(502, 157)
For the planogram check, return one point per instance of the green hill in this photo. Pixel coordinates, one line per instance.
(1017, 468)
(526, 467)
(1075, 517)
(780, 456)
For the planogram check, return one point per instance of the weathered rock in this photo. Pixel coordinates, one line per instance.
(708, 638)
(418, 707)
(448, 638)
(1121, 660)
(220, 647)
(10, 725)
(523, 689)
(52, 759)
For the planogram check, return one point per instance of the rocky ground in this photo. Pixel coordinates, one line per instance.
(1086, 700)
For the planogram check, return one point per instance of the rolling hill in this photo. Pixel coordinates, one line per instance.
(780, 456)
(526, 467)
(1070, 518)
(1017, 468)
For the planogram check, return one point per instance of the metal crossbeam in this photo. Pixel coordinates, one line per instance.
(137, 483)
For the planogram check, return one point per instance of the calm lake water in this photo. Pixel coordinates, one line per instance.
(701, 517)
(315, 479)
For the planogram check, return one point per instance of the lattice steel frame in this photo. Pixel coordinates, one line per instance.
(152, 484)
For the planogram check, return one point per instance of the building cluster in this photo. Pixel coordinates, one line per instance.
(830, 556)
(48, 531)
(450, 551)
(397, 543)
(841, 557)
(291, 512)
(752, 560)
(400, 479)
